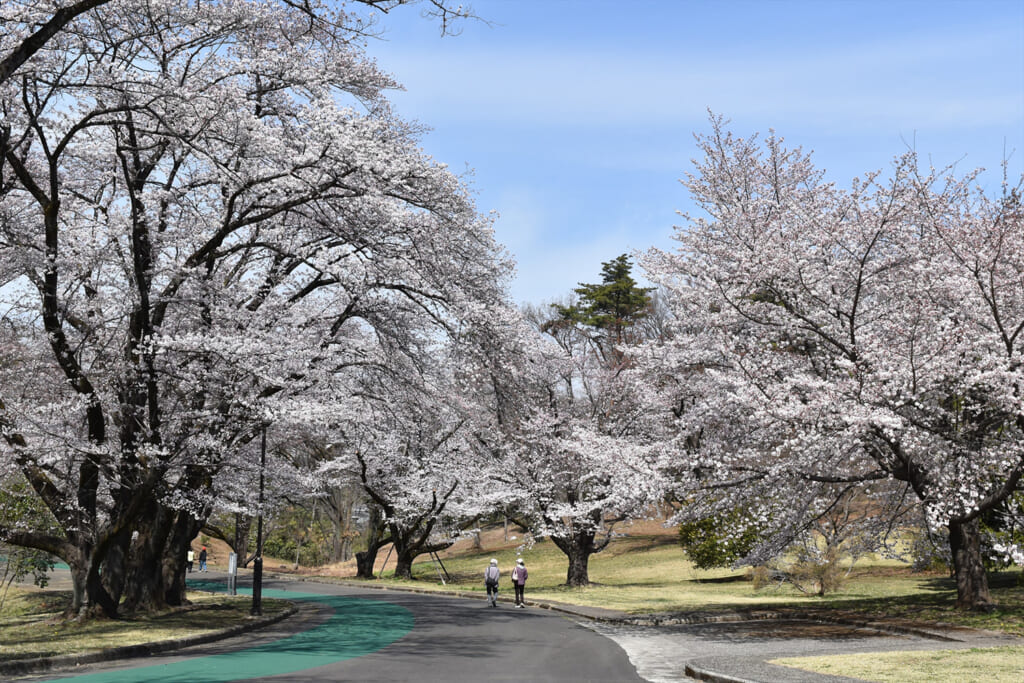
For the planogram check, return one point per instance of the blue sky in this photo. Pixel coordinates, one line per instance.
(576, 117)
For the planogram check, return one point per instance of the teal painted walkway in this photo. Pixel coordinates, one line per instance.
(357, 627)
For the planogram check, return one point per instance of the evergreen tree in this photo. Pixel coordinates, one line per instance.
(613, 306)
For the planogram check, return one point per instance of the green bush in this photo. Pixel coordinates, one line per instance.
(718, 541)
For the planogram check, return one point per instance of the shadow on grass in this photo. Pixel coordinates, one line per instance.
(734, 578)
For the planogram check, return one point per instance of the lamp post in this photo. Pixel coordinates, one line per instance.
(257, 563)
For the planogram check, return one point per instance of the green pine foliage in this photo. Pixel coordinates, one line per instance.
(612, 306)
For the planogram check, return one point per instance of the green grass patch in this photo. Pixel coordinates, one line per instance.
(1000, 664)
(31, 623)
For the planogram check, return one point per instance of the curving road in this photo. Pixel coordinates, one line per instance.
(351, 634)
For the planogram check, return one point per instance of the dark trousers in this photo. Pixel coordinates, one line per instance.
(520, 600)
(492, 592)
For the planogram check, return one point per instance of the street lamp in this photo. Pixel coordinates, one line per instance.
(257, 563)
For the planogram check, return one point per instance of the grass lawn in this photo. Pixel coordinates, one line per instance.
(30, 624)
(1000, 664)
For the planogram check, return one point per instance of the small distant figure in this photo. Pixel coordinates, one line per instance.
(519, 575)
(491, 576)
(190, 558)
(202, 559)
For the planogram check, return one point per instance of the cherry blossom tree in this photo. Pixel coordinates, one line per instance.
(829, 340)
(566, 429)
(211, 221)
(30, 24)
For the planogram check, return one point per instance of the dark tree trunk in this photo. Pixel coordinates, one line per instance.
(579, 543)
(579, 559)
(578, 574)
(240, 542)
(340, 505)
(403, 567)
(971, 579)
(175, 558)
(403, 564)
(145, 589)
(79, 595)
(412, 542)
(365, 559)
(375, 540)
(99, 601)
(115, 566)
(407, 547)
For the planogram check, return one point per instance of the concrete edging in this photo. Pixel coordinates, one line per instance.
(701, 674)
(34, 665)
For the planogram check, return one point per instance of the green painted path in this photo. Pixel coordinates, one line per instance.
(357, 627)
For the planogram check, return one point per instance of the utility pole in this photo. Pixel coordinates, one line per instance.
(257, 563)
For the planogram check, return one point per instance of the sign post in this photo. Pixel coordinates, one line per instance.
(233, 573)
(257, 563)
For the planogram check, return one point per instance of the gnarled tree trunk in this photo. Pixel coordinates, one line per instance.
(579, 543)
(375, 540)
(971, 579)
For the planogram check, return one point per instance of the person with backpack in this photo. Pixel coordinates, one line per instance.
(519, 575)
(491, 576)
(202, 559)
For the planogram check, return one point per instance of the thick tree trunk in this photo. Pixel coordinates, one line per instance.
(99, 601)
(971, 579)
(407, 556)
(374, 541)
(403, 565)
(145, 589)
(340, 505)
(577, 548)
(115, 566)
(364, 563)
(185, 529)
(407, 546)
(578, 574)
(410, 543)
(240, 543)
(79, 595)
(580, 542)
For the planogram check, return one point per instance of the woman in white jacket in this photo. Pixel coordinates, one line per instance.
(491, 576)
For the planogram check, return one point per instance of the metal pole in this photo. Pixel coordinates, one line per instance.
(257, 563)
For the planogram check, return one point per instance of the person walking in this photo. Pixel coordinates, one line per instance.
(519, 575)
(491, 576)
(202, 559)
(190, 558)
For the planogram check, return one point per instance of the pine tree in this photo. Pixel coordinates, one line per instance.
(613, 306)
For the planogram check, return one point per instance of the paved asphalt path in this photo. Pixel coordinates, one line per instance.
(352, 634)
